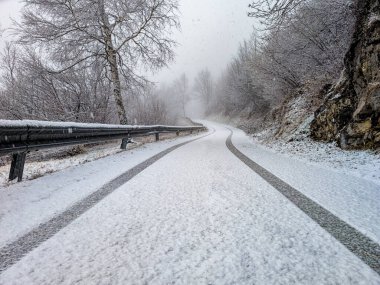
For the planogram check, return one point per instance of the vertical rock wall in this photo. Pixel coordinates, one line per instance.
(351, 112)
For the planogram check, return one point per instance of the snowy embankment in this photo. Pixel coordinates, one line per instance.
(27, 204)
(359, 163)
(290, 138)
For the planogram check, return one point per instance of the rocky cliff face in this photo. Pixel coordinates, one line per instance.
(351, 112)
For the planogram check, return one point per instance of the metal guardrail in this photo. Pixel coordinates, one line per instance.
(17, 138)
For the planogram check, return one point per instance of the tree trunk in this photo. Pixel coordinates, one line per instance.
(184, 107)
(112, 61)
(117, 87)
(351, 113)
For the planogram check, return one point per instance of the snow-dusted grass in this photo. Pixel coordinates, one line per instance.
(296, 144)
(37, 166)
(362, 164)
(36, 169)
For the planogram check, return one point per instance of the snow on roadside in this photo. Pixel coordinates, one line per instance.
(31, 202)
(290, 136)
(40, 124)
(362, 164)
(37, 169)
(350, 198)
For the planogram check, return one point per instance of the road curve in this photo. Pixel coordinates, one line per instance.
(198, 215)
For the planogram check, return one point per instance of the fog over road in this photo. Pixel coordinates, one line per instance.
(196, 214)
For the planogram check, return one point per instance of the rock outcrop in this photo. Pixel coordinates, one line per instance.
(351, 113)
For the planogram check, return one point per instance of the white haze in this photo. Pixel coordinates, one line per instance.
(8, 9)
(210, 35)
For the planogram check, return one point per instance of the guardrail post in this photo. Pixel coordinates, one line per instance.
(157, 137)
(17, 166)
(124, 143)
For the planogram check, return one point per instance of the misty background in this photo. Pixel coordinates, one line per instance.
(211, 31)
(210, 34)
(224, 66)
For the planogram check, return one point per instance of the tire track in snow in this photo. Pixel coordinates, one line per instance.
(13, 252)
(359, 244)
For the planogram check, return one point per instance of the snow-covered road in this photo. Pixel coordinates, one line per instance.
(198, 215)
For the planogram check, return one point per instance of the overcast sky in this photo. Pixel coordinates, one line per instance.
(210, 34)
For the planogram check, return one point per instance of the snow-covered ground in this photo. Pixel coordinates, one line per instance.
(41, 167)
(289, 136)
(25, 205)
(196, 216)
(52, 160)
(34, 123)
(354, 200)
(362, 164)
(294, 142)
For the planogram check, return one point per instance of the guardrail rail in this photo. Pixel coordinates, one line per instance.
(17, 138)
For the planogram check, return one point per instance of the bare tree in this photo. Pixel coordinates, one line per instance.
(181, 89)
(204, 86)
(147, 107)
(29, 91)
(118, 35)
(309, 47)
(306, 47)
(272, 13)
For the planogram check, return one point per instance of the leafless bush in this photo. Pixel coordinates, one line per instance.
(304, 41)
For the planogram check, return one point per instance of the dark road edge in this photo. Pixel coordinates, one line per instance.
(13, 252)
(360, 245)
